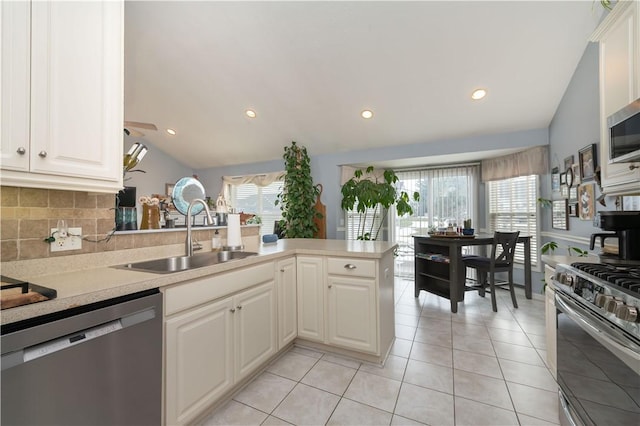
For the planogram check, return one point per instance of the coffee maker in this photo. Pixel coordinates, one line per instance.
(626, 227)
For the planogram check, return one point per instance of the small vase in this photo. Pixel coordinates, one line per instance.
(150, 217)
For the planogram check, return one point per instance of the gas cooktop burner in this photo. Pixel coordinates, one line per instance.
(625, 276)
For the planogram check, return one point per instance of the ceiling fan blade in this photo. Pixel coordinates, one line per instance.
(134, 133)
(140, 125)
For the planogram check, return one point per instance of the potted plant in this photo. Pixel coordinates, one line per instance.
(468, 228)
(367, 194)
(298, 195)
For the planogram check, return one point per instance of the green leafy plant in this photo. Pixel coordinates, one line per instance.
(368, 194)
(298, 194)
(605, 4)
(551, 246)
(545, 203)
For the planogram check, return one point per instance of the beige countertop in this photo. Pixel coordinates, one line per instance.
(88, 278)
(554, 260)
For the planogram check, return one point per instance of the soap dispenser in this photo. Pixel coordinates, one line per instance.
(216, 242)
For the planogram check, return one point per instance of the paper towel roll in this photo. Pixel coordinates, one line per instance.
(234, 237)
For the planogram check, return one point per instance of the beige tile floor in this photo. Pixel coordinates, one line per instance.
(475, 367)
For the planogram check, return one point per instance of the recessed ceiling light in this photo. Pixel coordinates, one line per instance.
(250, 113)
(366, 114)
(171, 131)
(478, 94)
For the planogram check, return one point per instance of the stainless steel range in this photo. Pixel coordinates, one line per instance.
(598, 343)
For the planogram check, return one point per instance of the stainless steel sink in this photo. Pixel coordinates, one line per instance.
(183, 263)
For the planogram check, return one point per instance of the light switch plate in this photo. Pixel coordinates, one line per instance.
(70, 242)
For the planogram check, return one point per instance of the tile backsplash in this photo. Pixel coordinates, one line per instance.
(27, 216)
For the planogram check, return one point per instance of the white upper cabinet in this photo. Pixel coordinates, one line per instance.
(619, 39)
(62, 95)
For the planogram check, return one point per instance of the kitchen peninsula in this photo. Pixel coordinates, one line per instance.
(331, 294)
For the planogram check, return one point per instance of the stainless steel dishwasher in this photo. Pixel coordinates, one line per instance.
(99, 364)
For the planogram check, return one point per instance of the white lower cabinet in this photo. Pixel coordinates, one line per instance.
(213, 346)
(199, 360)
(551, 321)
(352, 313)
(254, 328)
(346, 302)
(310, 289)
(287, 301)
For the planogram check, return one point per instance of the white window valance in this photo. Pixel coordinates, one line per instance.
(261, 179)
(532, 161)
(346, 173)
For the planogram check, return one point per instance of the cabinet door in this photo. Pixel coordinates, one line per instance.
(352, 313)
(77, 89)
(551, 320)
(287, 312)
(619, 85)
(255, 328)
(15, 87)
(199, 360)
(310, 286)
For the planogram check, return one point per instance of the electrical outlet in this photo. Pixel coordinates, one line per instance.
(70, 242)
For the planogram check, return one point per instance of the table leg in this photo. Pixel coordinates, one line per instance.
(455, 257)
(527, 268)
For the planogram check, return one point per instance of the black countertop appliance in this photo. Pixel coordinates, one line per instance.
(626, 227)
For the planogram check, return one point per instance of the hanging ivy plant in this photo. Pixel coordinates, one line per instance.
(369, 195)
(298, 194)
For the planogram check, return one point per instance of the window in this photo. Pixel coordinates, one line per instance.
(355, 227)
(259, 200)
(448, 196)
(512, 207)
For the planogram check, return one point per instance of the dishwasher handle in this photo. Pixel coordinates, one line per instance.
(30, 353)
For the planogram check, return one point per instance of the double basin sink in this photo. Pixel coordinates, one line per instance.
(184, 263)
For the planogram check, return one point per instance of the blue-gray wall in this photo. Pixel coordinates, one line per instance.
(575, 125)
(326, 168)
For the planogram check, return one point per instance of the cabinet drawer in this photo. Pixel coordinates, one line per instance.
(351, 267)
(202, 290)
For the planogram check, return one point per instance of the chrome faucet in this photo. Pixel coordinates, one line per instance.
(188, 244)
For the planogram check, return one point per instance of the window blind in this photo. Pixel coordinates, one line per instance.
(259, 200)
(512, 207)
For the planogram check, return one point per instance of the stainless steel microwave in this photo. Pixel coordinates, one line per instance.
(624, 134)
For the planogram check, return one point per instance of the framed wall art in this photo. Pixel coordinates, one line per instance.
(573, 209)
(559, 215)
(573, 194)
(576, 174)
(168, 189)
(587, 161)
(568, 162)
(568, 177)
(563, 178)
(586, 201)
(555, 180)
(564, 191)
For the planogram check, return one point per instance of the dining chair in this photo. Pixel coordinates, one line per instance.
(501, 260)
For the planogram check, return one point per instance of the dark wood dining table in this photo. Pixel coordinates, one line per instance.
(456, 270)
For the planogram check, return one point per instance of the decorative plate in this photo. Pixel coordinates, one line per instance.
(186, 190)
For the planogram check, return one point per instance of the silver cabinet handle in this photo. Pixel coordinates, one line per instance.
(281, 270)
(350, 266)
(42, 154)
(329, 286)
(239, 307)
(232, 310)
(21, 150)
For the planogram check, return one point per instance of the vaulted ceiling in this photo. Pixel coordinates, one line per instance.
(308, 70)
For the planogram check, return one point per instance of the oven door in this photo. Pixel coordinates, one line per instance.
(598, 368)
